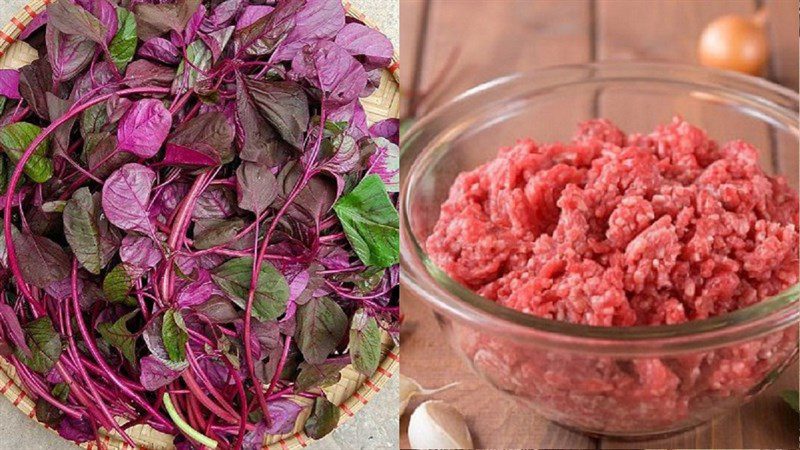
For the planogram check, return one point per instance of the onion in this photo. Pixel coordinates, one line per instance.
(736, 43)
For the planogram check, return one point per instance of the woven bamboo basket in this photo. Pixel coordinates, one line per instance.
(353, 390)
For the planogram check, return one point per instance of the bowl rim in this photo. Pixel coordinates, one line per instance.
(446, 295)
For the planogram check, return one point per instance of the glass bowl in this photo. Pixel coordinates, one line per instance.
(626, 382)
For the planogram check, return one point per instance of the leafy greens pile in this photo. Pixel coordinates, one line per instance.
(199, 225)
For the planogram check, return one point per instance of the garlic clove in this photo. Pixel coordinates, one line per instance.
(410, 388)
(435, 424)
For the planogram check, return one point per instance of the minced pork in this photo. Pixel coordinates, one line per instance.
(615, 230)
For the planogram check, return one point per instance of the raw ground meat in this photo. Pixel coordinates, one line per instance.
(616, 230)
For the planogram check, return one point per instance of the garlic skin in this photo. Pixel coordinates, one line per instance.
(410, 388)
(435, 424)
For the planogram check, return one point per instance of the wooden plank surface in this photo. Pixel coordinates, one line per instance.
(412, 15)
(496, 37)
(475, 41)
(782, 25)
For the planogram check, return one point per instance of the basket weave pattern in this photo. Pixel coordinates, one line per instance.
(353, 390)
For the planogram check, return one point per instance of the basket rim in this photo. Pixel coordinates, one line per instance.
(12, 388)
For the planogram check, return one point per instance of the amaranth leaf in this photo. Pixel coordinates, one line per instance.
(41, 260)
(370, 222)
(44, 343)
(123, 45)
(271, 294)
(92, 239)
(15, 139)
(118, 335)
(323, 419)
(321, 325)
(174, 336)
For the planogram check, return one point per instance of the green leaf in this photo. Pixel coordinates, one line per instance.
(271, 294)
(61, 391)
(88, 232)
(117, 284)
(335, 128)
(318, 375)
(103, 157)
(15, 139)
(323, 419)
(321, 325)
(93, 120)
(44, 343)
(120, 337)
(187, 76)
(123, 46)
(365, 343)
(371, 223)
(212, 232)
(368, 280)
(47, 413)
(57, 108)
(173, 333)
(792, 398)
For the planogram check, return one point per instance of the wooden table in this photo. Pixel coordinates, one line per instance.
(475, 41)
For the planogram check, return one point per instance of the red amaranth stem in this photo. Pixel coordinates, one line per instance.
(13, 263)
(276, 376)
(197, 391)
(243, 404)
(178, 104)
(19, 114)
(95, 352)
(248, 313)
(228, 415)
(80, 169)
(77, 391)
(40, 392)
(195, 415)
(180, 223)
(73, 350)
(350, 296)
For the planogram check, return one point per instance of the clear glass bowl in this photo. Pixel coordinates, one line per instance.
(627, 382)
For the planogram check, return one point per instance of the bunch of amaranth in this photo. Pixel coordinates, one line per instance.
(199, 224)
